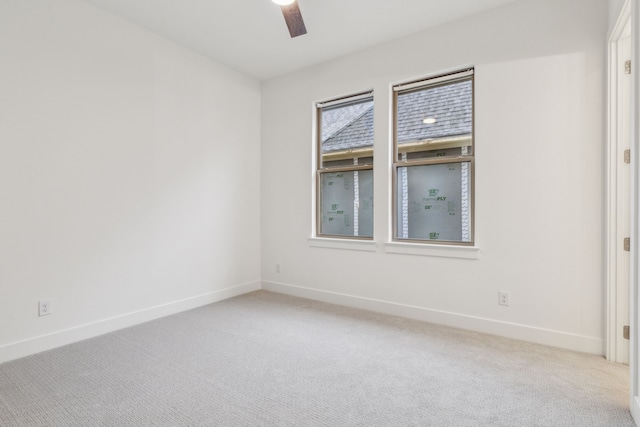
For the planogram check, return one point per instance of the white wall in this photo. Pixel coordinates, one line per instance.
(615, 6)
(119, 195)
(540, 141)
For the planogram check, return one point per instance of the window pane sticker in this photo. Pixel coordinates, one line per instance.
(433, 202)
(347, 203)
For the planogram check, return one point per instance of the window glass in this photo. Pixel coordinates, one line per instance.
(347, 203)
(435, 121)
(433, 167)
(347, 133)
(433, 202)
(345, 167)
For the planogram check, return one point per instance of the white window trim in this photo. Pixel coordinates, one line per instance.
(342, 243)
(400, 248)
(432, 250)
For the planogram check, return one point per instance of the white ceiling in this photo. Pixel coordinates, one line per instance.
(251, 35)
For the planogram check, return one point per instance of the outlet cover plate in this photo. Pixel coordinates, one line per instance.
(44, 308)
(503, 298)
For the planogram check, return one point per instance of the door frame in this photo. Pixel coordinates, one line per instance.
(614, 164)
(634, 295)
(635, 209)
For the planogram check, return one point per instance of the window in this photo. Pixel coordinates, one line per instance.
(344, 173)
(434, 160)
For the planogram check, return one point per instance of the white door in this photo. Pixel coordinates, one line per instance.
(624, 188)
(619, 190)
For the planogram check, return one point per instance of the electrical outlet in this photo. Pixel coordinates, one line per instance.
(277, 268)
(44, 308)
(503, 298)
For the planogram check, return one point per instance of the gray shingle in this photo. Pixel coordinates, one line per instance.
(451, 105)
(335, 119)
(358, 133)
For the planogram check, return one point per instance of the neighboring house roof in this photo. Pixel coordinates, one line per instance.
(450, 105)
(355, 134)
(336, 119)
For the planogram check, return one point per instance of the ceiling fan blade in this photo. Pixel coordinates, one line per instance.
(293, 18)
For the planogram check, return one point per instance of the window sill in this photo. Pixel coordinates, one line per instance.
(348, 244)
(445, 251)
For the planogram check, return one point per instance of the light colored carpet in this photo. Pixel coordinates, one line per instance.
(264, 359)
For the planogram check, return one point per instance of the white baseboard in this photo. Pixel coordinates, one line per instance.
(560, 339)
(585, 344)
(635, 409)
(40, 343)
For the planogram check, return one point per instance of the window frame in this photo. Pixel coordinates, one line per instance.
(467, 73)
(321, 169)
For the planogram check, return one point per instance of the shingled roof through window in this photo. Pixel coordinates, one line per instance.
(451, 105)
(336, 119)
(356, 133)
